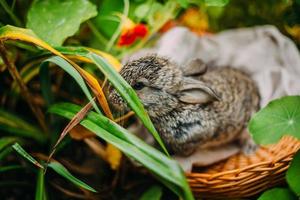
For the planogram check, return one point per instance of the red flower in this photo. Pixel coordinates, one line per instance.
(140, 30)
(127, 39)
(131, 33)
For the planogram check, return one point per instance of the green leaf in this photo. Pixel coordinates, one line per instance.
(74, 73)
(278, 194)
(46, 83)
(153, 193)
(5, 152)
(128, 94)
(55, 20)
(280, 117)
(293, 174)
(154, 15)
(166, 170)
(142, 10)
(13, 124)
(10, 167)
(183, 3)
(61, 170)
(40, 193)
(103, 20)
(10, 12)
(26, 155)
(5, 141)
(218, 3)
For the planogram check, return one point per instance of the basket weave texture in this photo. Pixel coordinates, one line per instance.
(245, 176)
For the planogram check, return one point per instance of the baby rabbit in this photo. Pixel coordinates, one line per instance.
(189, 106)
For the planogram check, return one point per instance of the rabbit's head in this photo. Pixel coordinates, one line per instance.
(162, 86)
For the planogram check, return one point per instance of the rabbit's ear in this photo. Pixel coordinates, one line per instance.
(196, 92)
(194, 67)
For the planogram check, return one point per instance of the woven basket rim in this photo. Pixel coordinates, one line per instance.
(271, 163)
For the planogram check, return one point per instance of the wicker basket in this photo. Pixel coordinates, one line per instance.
(244, 176)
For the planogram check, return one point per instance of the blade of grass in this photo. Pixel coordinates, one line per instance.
(72, 72)
(28, 72)
(26, 155)
(15, 125)
(46, 83)
(61, 170)
(5, 152)
(11, 167)
(128, 94)
(79, 52)
(10, 13)
(110, 59)
(117, 65)
(117, 32)
(165, 168)
(14, 33)
(5, 141)
(74, 121)
(40, 193)
(24, 90)
(101, 39)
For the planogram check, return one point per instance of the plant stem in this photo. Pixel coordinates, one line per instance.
(97, 34)
(24, 90)
(118, 30)
(10, 13)
(23, 46)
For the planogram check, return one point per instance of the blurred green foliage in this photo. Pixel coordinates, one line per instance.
(238, 13)
(97, 23)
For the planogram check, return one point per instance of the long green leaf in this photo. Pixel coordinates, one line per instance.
(166, 169)
(46, 83)
(26, 155)
(5, 152)
(128, 94)
(10, 167)
(5, 141)
(73, 73)
(61, 170)
(40, 193)
(15, 125)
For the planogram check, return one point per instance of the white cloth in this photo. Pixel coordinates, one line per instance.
(269, 57)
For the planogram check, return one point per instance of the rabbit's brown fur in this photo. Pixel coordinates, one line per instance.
(190, 107)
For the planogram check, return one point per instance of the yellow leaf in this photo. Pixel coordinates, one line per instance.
(195, 20)
(113, 156)
(80, 133)
(112, 60)
(294, 31)
(14, 33)
(127, 23)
